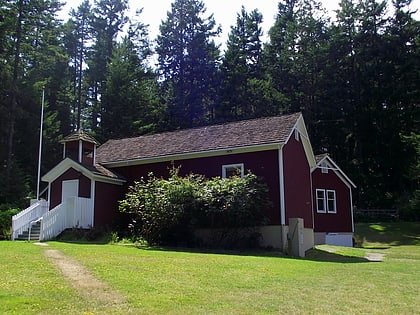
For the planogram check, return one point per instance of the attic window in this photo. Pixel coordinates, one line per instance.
(296, 135)
(233, 170)
(324, 168)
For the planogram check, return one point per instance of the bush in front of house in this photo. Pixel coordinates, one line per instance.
(234, 209)
(6, 213)
(163, 209)
(168, 211)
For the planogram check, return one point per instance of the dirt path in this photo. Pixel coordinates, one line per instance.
(83, 281)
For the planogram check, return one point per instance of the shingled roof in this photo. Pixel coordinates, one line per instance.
(240, 134)
(80, 135)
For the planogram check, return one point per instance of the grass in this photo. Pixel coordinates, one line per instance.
(331, 280)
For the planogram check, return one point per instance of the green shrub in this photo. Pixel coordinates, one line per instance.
(167, 211)
(163, 209)
(6, 214)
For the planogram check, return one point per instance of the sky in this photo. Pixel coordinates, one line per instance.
(225, 12)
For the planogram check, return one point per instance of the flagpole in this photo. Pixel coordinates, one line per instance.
(40, 144)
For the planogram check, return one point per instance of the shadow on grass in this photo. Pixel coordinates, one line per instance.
(316, 254)
(311, 255)
(386, 234)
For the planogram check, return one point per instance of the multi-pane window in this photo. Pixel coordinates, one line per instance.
(326, 201)
(331, 203)
(233, 170)
(320, 201)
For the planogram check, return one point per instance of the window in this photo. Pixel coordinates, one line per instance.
(324, 168)
(326, 201)
(233, 170)
(320, 201)
(331, 204)
(296, 135)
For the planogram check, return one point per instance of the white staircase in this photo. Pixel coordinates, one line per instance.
(37, 223)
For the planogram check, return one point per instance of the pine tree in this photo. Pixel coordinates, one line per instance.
(188, 62)
(241, 64)
(130, 86)
(107, 22)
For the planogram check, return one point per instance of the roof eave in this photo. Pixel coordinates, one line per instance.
(68, 163)
(192, 155)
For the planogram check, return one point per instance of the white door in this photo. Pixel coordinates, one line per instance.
(70, 189)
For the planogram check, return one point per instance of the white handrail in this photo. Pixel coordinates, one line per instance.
(22, 220)
(74, 212)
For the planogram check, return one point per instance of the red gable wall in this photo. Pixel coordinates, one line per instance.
(56, 186)
(106, 204)
(297, 183)
(333, 222)
(263, 164)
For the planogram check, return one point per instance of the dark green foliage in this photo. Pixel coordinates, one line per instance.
(234, 208)
(355, 78)
(169, 211)
(6, 213)
(410, 201)
(188, 60)
(163, 207)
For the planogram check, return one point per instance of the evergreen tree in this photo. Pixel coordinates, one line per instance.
(131, 89)
(241, 64)
(77, 34)
(32, 57)
(107, 22)
(188, 62)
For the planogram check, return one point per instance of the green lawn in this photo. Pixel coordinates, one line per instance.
(180, 282)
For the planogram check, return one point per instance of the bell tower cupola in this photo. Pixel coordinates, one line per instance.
(80, 147)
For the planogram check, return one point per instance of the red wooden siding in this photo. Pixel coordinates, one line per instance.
(72, 151)
(56, 186)
(106, 204)
(333, 222)
(263, 164)
(297, 183)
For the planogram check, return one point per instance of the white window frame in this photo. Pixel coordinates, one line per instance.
(333, 199)
(318, 199)
(324, 168)
(297, 138)
(226, 168)
(327, 196)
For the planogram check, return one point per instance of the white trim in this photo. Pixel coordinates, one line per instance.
(80, 156)
(233, 166)
(328, 200)
(303, 132)
(324, 210)
(94, 154)
(334, 167)
(324, 167)
(68, 163)
(192, 155)
(92, 198)
(281, 178)
(351, 210)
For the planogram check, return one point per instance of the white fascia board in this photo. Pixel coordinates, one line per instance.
(301, 127)
(68, 163)
(193, 155)
(332, 166)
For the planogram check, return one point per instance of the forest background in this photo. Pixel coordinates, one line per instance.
(355, 78)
